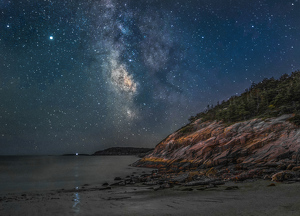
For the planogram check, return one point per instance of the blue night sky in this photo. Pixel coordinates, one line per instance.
(84, 75)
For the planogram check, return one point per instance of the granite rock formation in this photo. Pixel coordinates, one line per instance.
(257, 148)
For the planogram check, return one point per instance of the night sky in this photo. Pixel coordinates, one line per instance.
(84, 75)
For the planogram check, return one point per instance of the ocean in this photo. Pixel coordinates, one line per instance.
(40, 173)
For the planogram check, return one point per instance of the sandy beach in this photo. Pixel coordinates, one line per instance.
(248, 198)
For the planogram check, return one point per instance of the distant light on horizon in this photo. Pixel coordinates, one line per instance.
(76, 154)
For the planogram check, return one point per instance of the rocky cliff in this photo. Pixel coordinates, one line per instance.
(263, 148)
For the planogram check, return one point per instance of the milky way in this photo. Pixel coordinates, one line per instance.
(80, 76)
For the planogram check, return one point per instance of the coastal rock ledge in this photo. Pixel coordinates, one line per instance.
(258, 148)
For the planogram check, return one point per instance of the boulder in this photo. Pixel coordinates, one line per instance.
(283, 175)
(118, 179)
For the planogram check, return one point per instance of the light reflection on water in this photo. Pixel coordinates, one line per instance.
(76, 203)
(76, 196)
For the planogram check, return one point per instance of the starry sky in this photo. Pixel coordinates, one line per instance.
(84, 75)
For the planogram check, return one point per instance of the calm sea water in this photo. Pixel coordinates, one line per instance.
(36, 173)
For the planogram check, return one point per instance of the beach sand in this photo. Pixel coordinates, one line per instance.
(251, 198)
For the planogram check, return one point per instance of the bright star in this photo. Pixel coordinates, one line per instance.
(51, 37)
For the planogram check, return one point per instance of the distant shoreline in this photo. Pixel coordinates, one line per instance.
(124, 151)
(118, 151)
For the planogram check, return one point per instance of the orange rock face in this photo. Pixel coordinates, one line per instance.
(208, 144)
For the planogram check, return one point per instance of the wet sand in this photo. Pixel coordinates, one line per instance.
(250, 198)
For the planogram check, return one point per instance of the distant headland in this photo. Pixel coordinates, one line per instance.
(124, 151)
(141, 152)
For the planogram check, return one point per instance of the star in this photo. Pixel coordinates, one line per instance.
(51, 37)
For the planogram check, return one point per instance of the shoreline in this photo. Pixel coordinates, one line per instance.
(249, 197)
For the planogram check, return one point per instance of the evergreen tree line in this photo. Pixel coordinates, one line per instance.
(269, 98)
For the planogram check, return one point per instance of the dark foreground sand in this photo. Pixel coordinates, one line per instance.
(251, 198)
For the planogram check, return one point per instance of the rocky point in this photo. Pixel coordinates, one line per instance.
(206, 152)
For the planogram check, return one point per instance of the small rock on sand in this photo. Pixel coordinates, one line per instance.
(232, 188)
(117, 179)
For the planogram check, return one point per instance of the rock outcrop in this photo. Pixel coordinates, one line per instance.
(254, 148)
